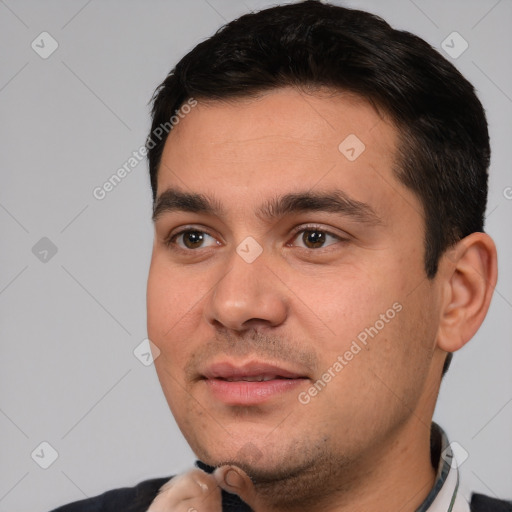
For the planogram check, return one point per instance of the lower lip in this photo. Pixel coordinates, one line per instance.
(250, 393)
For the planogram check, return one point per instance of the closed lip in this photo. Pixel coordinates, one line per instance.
(228, 370)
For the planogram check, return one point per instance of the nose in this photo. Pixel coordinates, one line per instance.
(247, 296)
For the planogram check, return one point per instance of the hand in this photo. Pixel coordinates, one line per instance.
(197, 491)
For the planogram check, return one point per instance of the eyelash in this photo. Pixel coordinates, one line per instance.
(170, 240)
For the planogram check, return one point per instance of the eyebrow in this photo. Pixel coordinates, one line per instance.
(333, 201)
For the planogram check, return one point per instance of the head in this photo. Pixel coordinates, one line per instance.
(330, 174)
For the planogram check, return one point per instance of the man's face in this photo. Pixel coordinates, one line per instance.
(287, 291)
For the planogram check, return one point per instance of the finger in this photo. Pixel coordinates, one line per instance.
(194, 489)
(236, 481)
(189, 492)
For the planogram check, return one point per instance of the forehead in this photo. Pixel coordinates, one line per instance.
(284, 140)
(285, 118)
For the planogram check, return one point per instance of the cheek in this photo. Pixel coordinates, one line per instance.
(167, 320)
(170, 298)
(167, 308)
(370, 318)
(341, 305)
(399, 355)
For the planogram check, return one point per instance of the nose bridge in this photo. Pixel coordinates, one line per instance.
(248, 292)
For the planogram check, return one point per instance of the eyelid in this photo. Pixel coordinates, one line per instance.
(168, 240)
(318, 251)
(312, 227)
(341, 237)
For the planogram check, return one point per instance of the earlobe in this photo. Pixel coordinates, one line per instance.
(469, 271)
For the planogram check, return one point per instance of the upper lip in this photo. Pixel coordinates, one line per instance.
(229, 370)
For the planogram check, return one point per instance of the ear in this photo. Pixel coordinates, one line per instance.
(469, 271)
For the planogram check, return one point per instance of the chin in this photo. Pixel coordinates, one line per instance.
(248, 455)
(260, 464)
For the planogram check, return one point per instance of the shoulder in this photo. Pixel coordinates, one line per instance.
(128, 499)
(482, 503)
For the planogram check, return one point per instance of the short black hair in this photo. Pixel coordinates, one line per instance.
(443, 154)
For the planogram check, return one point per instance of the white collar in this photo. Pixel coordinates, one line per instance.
(445, 495)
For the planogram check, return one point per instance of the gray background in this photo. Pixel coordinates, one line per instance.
(69, 325)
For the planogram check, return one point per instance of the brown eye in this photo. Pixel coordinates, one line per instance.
(313, 238)
(190, 239)
(316, 238)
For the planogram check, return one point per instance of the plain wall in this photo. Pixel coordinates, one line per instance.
(70, 324)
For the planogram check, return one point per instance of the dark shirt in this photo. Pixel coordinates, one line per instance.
(443, 497)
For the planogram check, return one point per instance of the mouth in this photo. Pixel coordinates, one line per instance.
(252, 383)
(254, 378)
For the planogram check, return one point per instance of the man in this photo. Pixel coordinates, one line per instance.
(319, 184)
